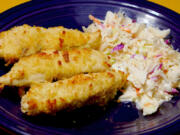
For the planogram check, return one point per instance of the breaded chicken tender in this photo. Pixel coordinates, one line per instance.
(75, 92)
(54, 65)
(26, 40)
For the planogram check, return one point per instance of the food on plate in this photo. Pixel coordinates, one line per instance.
(26, 40)
(52, 65)
(75, 92)
(142, 52)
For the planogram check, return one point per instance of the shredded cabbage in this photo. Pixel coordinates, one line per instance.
(153, 67)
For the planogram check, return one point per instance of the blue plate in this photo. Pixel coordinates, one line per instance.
(121, 118)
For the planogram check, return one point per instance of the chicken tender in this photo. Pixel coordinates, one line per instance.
(54, 65)
(60, 38)
(75, 92)
(26, 40)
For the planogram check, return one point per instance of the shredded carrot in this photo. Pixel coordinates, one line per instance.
(133, 35)
(122, 90)
(126, 29)
(159, 55)
(118, 101)
(147, 104)
(165, 71)
(137, 90)
(163, 60)
(94, 19)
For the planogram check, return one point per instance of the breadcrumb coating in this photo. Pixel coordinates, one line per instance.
(75, 92)
(54, 65)
(26, 40)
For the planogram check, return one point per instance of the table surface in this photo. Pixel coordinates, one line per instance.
(171, 4)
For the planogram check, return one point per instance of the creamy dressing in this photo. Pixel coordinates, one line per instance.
(153, 67)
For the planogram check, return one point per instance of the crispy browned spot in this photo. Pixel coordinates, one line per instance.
(32, 104)
(109, 65)
(109, 57)
(79, 79)
(63, 32)
(61, 41)
(66, 56)
(10, 61)
(73, 81)
(110, 74)
(55, 52)
(78, 52)
(62, 99)
(90, 86)
(59, 63)
(51, 104)
(24, 32)
(42, 54)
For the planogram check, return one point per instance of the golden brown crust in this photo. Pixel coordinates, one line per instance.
(66, 56)
(49, 65)
(75, 92)
(26, 40)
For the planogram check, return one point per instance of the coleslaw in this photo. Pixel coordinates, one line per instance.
(141, 51)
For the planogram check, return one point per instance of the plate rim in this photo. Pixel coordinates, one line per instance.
(12, 11)
(175, 17)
